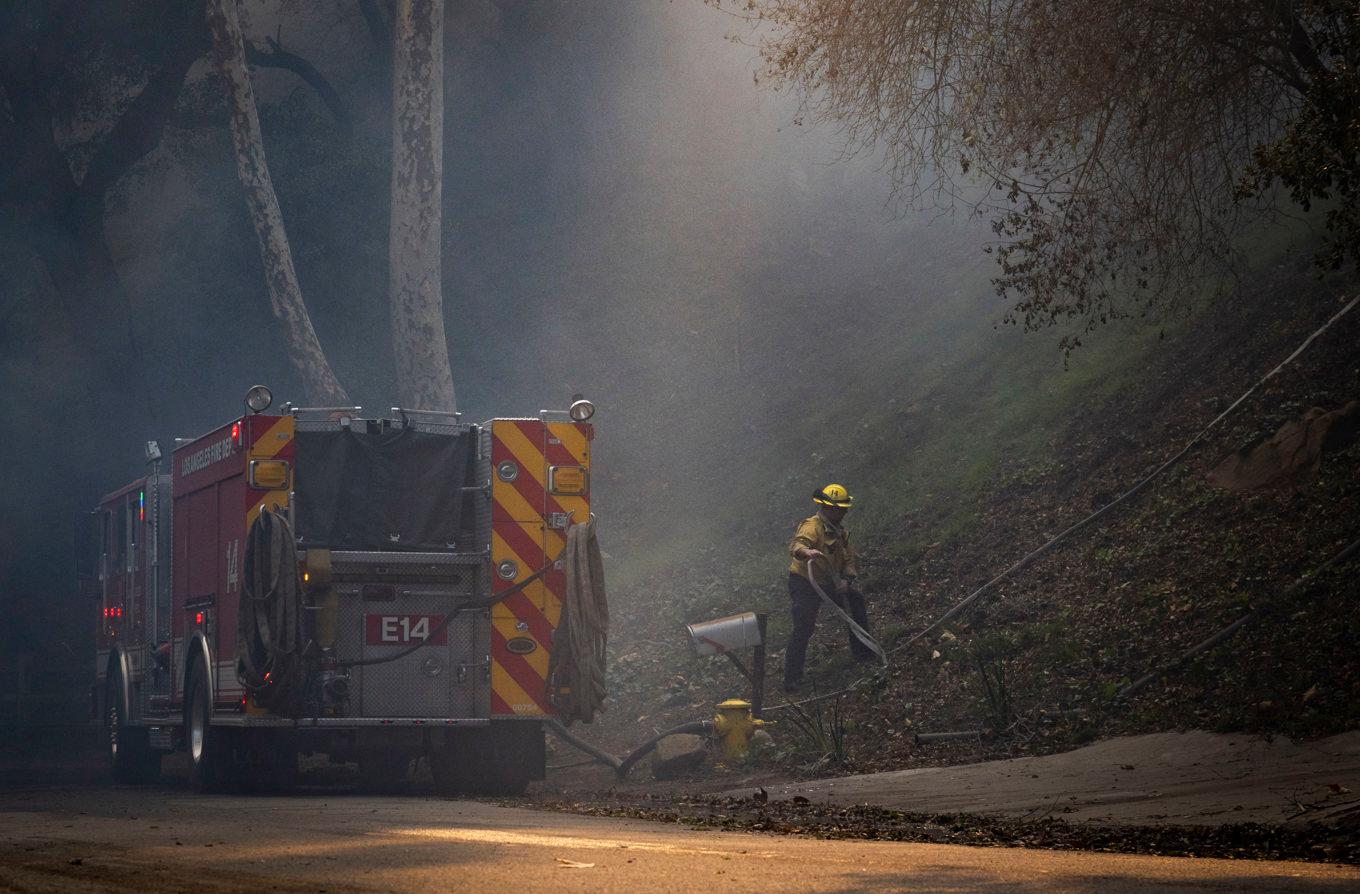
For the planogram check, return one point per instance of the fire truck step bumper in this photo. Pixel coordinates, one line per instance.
(258, 722)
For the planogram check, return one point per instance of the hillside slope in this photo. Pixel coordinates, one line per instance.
(961, 480)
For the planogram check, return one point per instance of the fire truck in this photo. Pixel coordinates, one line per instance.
(311, 581)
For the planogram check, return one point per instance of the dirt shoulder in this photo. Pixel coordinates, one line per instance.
(1193, 793)
(1192, 778)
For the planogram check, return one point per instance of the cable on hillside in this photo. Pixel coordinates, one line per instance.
(1072, 529)
(1227, 633)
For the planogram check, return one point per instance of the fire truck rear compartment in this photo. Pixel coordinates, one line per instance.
(388, 602)
(370, 485)
(398, 505)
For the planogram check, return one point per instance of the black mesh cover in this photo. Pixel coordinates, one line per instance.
(380, 489)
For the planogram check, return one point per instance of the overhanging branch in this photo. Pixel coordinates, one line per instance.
(278, 57)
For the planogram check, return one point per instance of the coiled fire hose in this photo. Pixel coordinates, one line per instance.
(576, 668)
(860, 633)
(269, 636)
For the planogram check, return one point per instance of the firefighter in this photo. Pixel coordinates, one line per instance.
(824, 539)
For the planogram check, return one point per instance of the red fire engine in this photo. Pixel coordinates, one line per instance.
(377, 590)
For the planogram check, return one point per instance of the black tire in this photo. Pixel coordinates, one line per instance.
(384, 771)
(210, 757)
(452, 776)
(510, 781)
(270, 766)
(497, 760)
(283, 766)
(128, 748)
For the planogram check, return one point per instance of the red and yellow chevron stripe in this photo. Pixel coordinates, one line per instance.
(270, 437)
(525, 505)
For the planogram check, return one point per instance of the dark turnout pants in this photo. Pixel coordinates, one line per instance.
(804, 603)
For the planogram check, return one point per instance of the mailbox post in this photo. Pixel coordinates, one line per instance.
(723, 636)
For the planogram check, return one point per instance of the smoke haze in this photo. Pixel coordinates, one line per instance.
(627, 215)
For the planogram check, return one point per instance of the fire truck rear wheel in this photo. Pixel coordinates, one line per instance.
(503, 781)
(458, 773)
(128, 747)
(451, 774)
(477, 761)
(210, 758)
(384, 771)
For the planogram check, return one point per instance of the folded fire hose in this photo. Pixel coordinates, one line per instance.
(576, 666)
(269, 638)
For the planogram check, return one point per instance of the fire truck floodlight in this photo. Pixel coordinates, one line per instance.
(153, 451)
(258, 399)
(581, 410)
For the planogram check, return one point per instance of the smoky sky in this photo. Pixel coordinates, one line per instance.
(627, 214)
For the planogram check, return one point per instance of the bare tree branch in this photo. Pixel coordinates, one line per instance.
(278, 57)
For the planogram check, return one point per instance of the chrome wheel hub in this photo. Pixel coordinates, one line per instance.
(196, 724)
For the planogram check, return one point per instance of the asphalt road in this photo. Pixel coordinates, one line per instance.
(108, 838)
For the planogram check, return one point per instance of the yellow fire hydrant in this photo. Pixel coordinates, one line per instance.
(734, 726)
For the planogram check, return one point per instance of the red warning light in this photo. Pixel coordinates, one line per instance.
(236, 433)
(198, 618)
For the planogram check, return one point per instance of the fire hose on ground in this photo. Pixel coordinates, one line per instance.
(623, 765)
(733, 727)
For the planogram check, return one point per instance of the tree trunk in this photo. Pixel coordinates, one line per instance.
(304, 350)
(424, 379)
(62, 220)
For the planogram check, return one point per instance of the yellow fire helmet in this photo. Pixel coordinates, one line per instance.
(835, 496)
